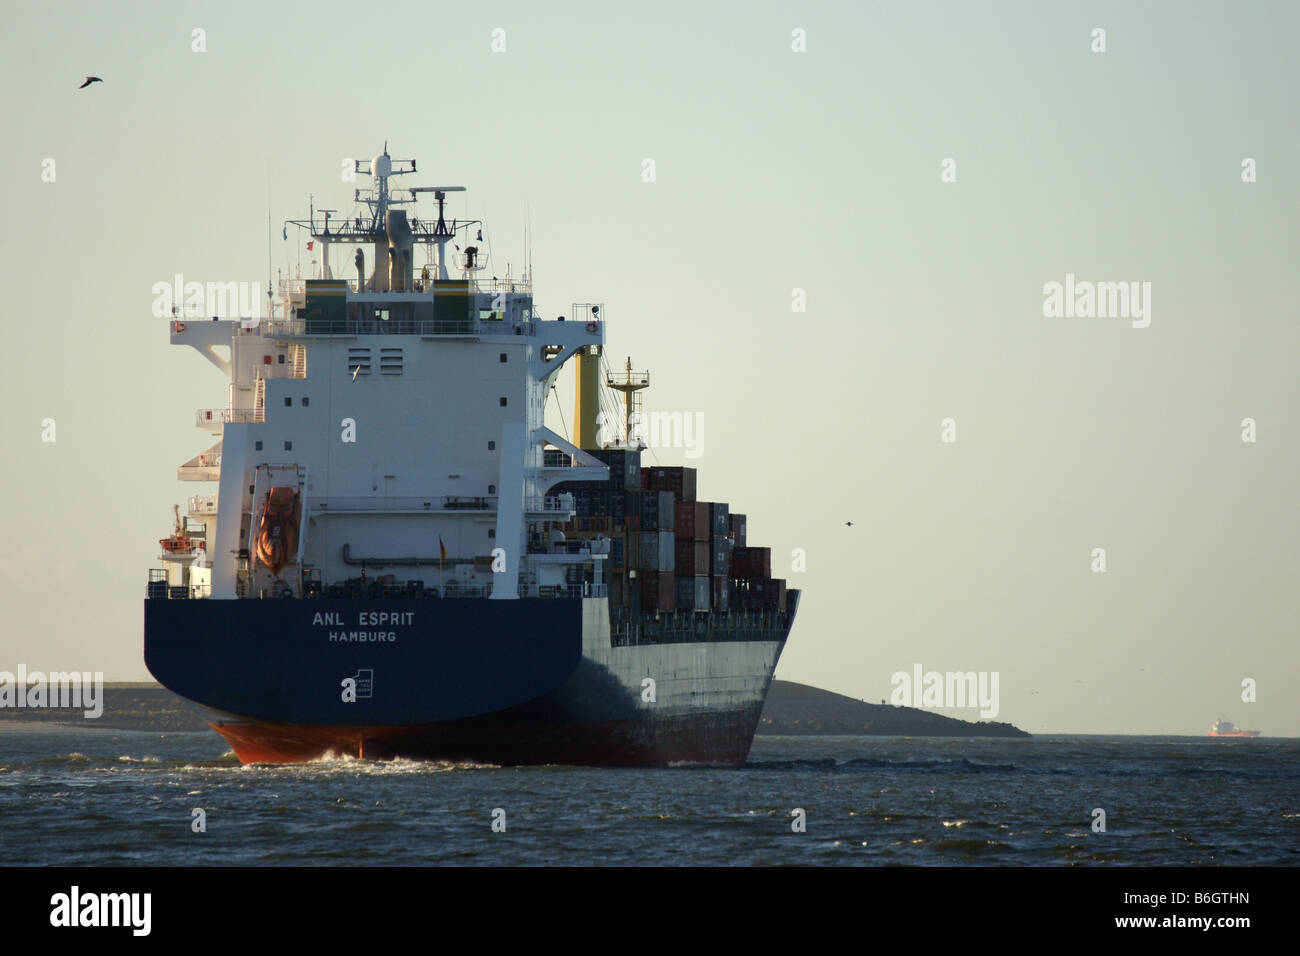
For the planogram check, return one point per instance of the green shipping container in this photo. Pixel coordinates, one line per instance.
(326, 308)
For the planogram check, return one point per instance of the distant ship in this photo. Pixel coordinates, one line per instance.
(1226, 728)
(401, 559)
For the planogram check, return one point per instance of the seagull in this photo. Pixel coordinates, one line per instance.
(89, 80)
(848, 524)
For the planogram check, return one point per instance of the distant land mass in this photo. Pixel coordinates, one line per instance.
(797, 709)
(791, 709)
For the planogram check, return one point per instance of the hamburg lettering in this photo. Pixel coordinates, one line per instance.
(363, 636)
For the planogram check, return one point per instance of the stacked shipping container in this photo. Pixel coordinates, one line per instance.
(669, 552)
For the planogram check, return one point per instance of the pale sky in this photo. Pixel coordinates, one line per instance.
(775, 170)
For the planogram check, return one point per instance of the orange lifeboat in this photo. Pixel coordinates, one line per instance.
(179, 542)
(277, 532)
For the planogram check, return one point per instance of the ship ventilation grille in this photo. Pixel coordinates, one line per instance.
(358, 361)
(390, 361)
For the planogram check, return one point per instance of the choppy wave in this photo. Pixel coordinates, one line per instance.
(917, 802)
(864, 764)
(346, 763)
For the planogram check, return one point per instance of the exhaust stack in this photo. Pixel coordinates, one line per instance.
(399, 250)
(585, 400)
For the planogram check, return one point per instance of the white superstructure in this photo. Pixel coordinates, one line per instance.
(405, 406)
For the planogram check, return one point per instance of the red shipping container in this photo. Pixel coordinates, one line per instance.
(684, 522)
(692, 557)
(768, 595)
(657, 591)
(680, 481)
(751, 563)
(701, 520)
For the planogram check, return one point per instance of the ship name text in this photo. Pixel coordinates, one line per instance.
(367, 619)
(364, 618)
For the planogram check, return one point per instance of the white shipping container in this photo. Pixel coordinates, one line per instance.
(702, 592)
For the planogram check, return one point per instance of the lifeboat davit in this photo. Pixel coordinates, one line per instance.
(277, 532)
(179, 542)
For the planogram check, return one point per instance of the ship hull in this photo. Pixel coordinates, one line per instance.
(503, 682)
(721, 737)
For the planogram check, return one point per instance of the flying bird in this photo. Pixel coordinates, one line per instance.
(89, 80)
(848, 524)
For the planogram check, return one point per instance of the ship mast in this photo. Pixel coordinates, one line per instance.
(384, 224)
(632, 383)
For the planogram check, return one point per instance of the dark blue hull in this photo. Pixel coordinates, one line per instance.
(524, 681)
(268, 661)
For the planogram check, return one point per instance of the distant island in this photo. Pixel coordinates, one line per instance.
(791, 709)
(798, 709)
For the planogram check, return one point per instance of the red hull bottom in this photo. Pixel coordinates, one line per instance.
(701, 738)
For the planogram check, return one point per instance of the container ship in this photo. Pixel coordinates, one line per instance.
(400, 559)
(1226, 728)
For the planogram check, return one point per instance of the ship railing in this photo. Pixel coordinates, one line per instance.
(405, 503)
(413, 590)
(625, 634)
(562, 504)
(297, 286)
(278, 371)
(203, 504)
(509, 286)
(215, 416)
(160, 588)
(576, 590)
(324, 328)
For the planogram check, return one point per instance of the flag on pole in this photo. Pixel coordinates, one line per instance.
(442, 552)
